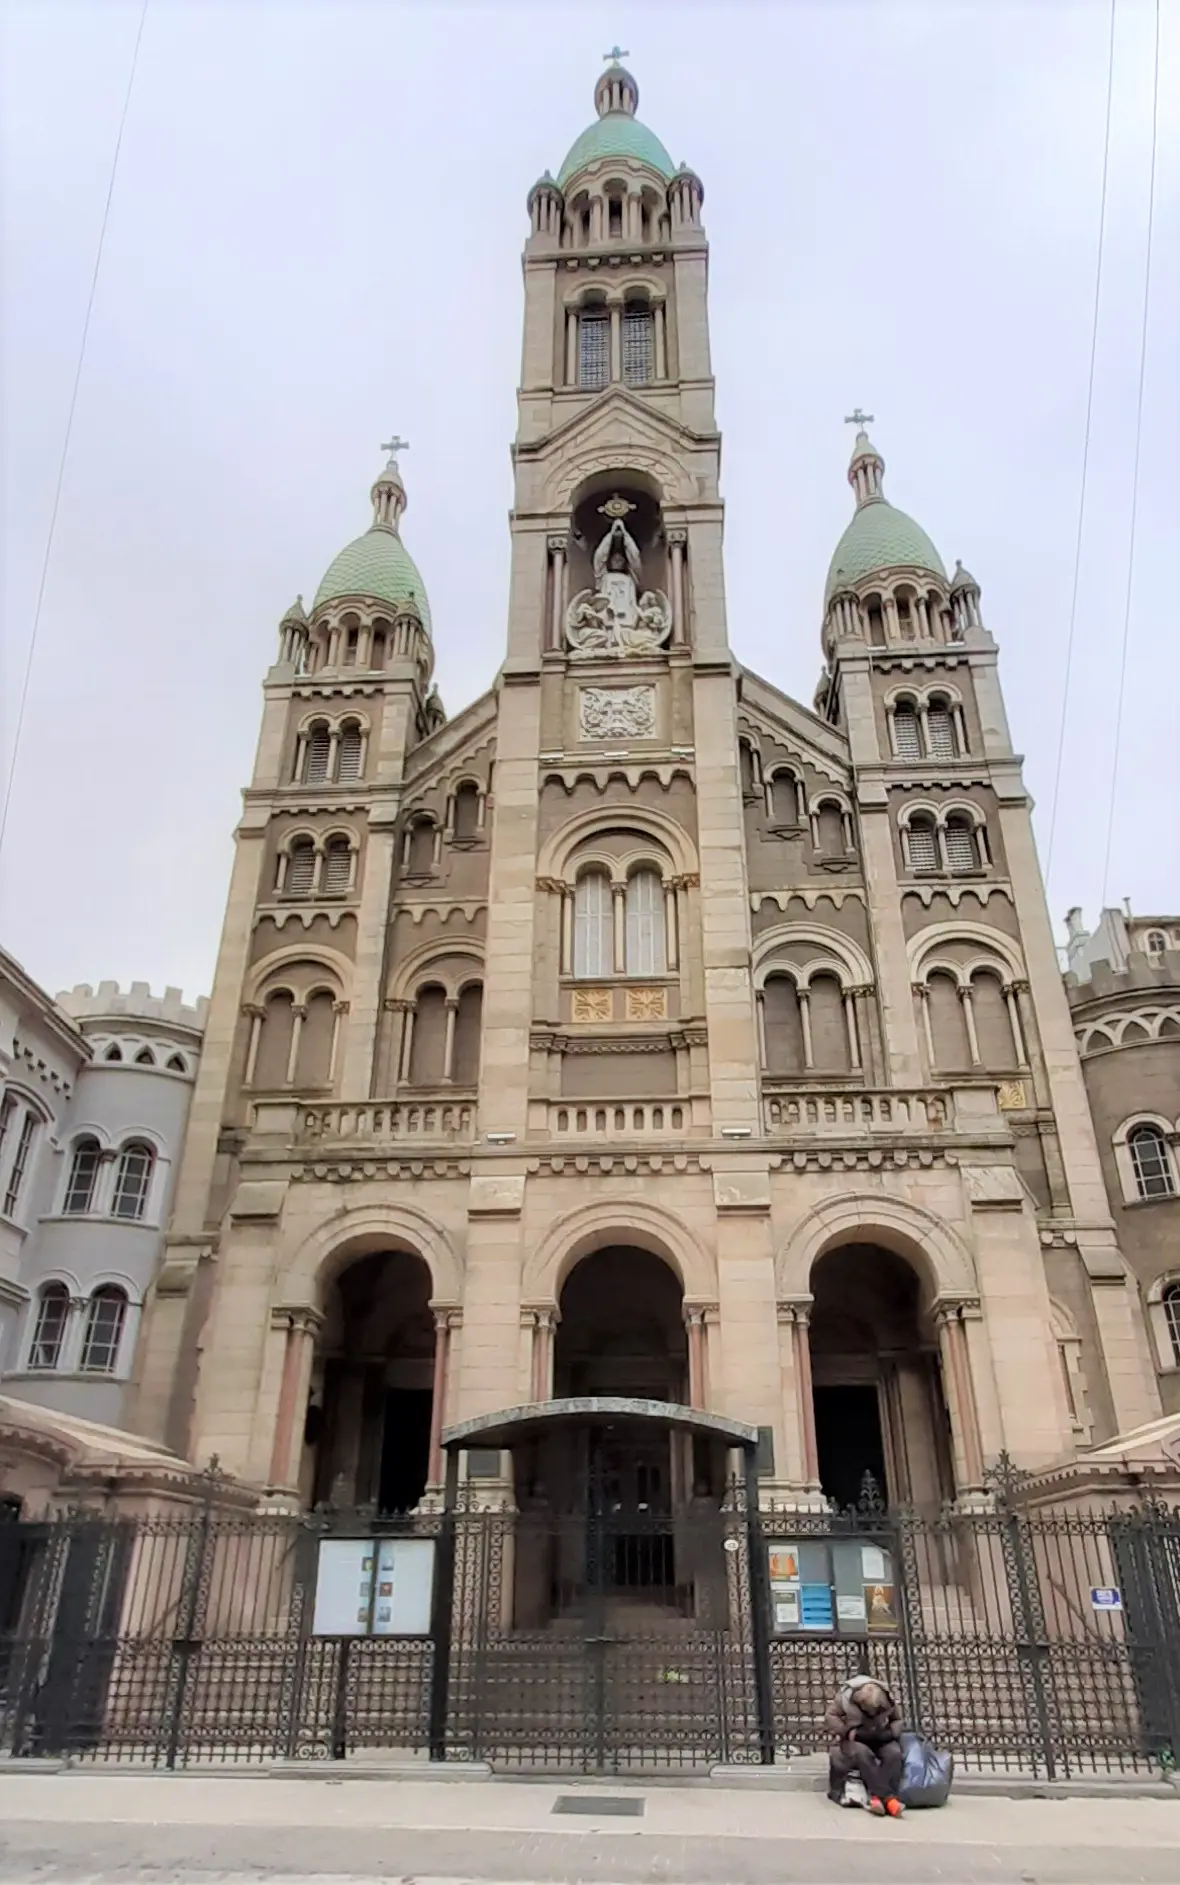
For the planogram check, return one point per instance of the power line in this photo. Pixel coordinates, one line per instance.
(65, 448)
(1118, 718)
(1077, 557)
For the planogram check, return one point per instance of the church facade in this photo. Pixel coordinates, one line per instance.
(638, 1032)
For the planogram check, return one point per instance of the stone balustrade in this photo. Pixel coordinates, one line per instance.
(430, 1120)
(607, 1121)
(880, 1113)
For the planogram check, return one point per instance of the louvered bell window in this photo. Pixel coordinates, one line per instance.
(942, 733)
(593, 926)
(300, 869)
(594, 347)
(961, 854)
(907, 733)
(315, 756)
(348, 753)
(645, 924)
(639, 346)
(337, 869)
(923, 847)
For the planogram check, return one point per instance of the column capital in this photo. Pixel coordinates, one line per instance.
(301, 1317)
(947, 1309)
(795, 1309)
(447, 1316)
(921, 989)
(451, 1004)
(340, 1007)
(677, 537)
(397, 1004)
(558, 543)
(254, 1010)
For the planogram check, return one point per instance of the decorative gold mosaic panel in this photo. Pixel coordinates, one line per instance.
(647, 1004)
(591, 1004)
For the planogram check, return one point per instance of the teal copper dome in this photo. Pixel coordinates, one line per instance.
(378, 564)
(617, 132)
(880, 537)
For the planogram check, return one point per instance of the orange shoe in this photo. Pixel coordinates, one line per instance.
(876, 1808)
(894, 1808)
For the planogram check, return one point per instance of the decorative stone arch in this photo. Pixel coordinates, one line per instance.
(606, 1225)
(558, 850)
(851, 962)
(258, 985)
(86, 1129)
(297, 834)
(673, 481)
(926, 808)
(305, 1273)
(423, 964)
(928, 942)
(936, 1252)
(117, 1279)
(965, 808)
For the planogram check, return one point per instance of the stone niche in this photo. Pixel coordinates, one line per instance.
(606, 1069)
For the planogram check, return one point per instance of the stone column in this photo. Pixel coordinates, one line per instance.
(797, 1312)
(922, 995)
(671, 928)
(406, 1045)
(339, 1009)
(452, 1008)
(1012, 995)
(257, 1015)
(677, 543)
(616, 343)
(557, 547)
(659, 317)
(544, 1323)
(444, 1320)
(969, 1017)
(619, 893)
(300, 1327)
(698, 1387)
(298, 1016)
(571, 348)
(851, 1027)
(805, 1025)
(960, 1397)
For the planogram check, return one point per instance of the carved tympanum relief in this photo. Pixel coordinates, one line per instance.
(607, 713)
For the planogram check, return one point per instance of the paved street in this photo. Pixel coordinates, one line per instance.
(95, 1829)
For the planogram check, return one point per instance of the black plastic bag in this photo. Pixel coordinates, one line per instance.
(926, 1773)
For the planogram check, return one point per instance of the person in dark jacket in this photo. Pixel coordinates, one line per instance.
(864, 1722)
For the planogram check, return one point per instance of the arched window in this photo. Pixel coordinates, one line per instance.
(594, 346)
(377, 647)
(336, 876)
(829, 1029)
(746, 768)
(105, 1315)
(20, 1160)
(1171, 1302)
(941, 725)
(176, 1064)
(420, 855)
(300, 874)
(145, 1058)
(783, 1026)
(923, 845)
(1157, 942)
(114, 1052)
(466, 810)
(428, 1043)
(907, 732)
(83, 1178)
(829, 825)
(352, 638)
(49, 1330)
(274, 1041)
(639, 344)
(594, 952)
(349, 747)
(948, 1025)
(133, 1177)
(784, 799)
(645, 924)
(314, 1059)
(962, 846)
(1151, 1163)
(468, 1021)
(317, 747)
(7, 1113)
(993, 1025)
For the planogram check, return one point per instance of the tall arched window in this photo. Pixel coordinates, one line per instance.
(49, 1330)
(428, 1044)
(784, 799)
(645, 924)
(962, 845)
(1150, 1162)
(941, 725)
(274, 1041)
(317, 747)
(349, 747)
(948, 1025)
(923, 844)
(133, 1177)
(594, 952)
(83, 1178)
(20, 1159)
(468, 1020)
(105, 1315)
(830, 830)
(907, 733)
(300, 874)
(783, 1026)
(466, 810)
(594, 346)
(993, 1025)
(829, 1029)
(315, 1040)
(420, 857)
(336, 875)
(1171, 1302)
(1157, 942)
(639, 344)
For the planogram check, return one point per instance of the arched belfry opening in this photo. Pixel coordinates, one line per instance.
(876, 1380)
(373, 1391)
(595, 512)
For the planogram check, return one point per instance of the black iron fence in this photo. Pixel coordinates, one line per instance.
(595, 1642)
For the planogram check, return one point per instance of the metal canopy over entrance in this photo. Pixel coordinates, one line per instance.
(615, 1618)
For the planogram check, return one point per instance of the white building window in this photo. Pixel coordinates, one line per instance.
(20, 1162)
(923, 845)
(105, 1315)
(83, 1178)
(639, 346)
(348, 753)
(49, 1330)
(300, 868)
(1151, 1162)
(316, 752)
(1171, 1303)
(337, 869)
(593, 925)
(907, 734)
(962, 850)
(1157, 942)
(940, 723)
(645, 924)
(594, 347)
(133, 1179)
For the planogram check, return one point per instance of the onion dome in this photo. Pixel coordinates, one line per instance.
(617, 131)
(378, 566)
(880, 538)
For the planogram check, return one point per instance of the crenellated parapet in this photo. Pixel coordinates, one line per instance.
(135, 1003)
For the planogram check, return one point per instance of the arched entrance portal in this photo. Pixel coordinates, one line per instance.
(374, 1387)
(877, 1385)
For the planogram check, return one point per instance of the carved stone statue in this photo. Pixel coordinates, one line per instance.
(613, 619)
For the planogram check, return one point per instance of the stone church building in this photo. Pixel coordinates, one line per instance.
(638, 1032)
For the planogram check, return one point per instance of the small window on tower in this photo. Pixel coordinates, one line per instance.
(639, 353)
(316, 751)
(923, 846)
(907, 735)
(962, 851)
(594, 347)
(300, 868)
(943, 744)
(337, 868)
(351, 640)
(348, 752)
(615, 217)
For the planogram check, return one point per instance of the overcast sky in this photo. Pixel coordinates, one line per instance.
(314, 240)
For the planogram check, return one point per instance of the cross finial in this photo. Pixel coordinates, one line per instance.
(860, 419)
(395, 445)
(615, 54)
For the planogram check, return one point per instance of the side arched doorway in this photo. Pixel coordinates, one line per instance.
(372, 1399)
(877, 1381)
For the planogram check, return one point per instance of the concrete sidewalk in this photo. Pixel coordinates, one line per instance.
(94, 1827)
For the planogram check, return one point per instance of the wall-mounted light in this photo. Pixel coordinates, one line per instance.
(499, 1138)
(736, 1132)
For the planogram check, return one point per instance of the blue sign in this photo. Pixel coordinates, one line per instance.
(1106, 1597)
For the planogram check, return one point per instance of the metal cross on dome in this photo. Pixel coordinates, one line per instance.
(859, 418)
(615, 54)
(395, 445)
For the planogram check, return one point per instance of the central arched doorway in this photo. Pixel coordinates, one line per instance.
(876, 1381)
(372, 1397)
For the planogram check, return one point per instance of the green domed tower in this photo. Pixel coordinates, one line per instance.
(880, 538)
(617, 132)
(377, 566)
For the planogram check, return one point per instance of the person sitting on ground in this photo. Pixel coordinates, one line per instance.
(865, 1765)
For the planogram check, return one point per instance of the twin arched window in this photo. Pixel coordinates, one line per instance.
(328, 755)
(306, 870)
(930, 731)
(1151, 1162)
(102, 1333)
(955, 844)
(596, 938)
(133, 1179)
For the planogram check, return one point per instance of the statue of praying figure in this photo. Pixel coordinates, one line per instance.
(614, 619)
